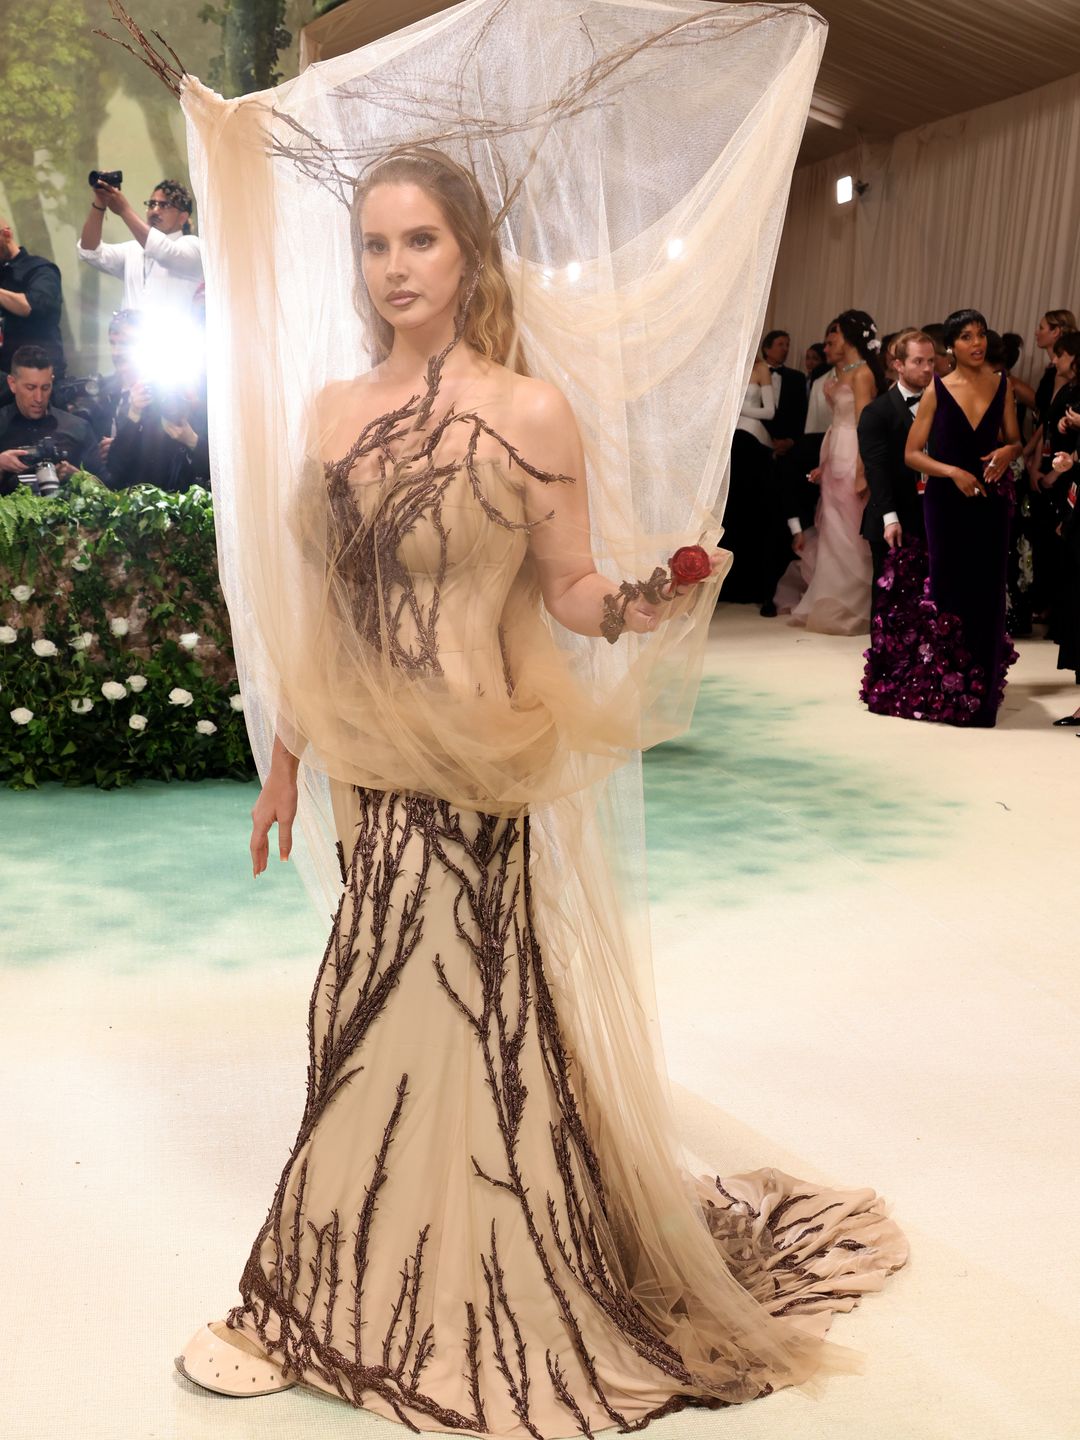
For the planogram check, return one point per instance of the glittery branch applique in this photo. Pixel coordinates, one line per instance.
(304, 1267)
(318, 1290)
(366, 560)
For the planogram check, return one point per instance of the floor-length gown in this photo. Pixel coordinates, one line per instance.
(748, 514)
(1068, 606)
(439, 1248)
(939, 648)
(837, 567)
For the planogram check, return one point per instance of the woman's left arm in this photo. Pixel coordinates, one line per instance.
(574, 591)
(999, 459)
(864, 388)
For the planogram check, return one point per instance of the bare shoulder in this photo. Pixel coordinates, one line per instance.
(538, 403)
(540, 424)
(863, 382)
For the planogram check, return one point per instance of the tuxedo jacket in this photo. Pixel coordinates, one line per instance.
(883, 432)
(790, 417)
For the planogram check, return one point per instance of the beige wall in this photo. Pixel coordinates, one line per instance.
(981, 209)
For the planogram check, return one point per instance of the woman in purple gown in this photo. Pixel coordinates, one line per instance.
(940, 650)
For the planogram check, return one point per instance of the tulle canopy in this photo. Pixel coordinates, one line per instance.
(636, 156)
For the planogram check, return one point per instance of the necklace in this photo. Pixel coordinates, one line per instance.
(847, 369)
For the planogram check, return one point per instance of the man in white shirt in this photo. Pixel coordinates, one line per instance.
(162, 266)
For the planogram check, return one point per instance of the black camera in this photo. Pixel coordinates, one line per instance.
(43, 459)
(115, 178)
(171, 402)
(78, 396)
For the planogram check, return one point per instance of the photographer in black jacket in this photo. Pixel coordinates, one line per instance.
(160, 440)
(30, 304)
(27, 422)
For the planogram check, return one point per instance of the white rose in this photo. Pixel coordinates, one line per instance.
(80, 563)
(8, 636)
(236, 701)
(21, 593)
(137, 722)
(21, 715)
(83, 641)
(44, 648)
(206, 727)
(136, 683)
(180, 697)
(190, 640)
(113, 690)
(83, 706)
(119, 626)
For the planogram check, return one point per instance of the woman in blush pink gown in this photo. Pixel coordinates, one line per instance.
(835, 565)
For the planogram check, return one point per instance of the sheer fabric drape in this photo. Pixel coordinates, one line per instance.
(641, 153)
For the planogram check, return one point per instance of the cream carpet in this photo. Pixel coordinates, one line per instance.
(866, 939)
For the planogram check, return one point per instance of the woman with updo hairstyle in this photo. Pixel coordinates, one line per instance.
(833, 566)
(951, 649)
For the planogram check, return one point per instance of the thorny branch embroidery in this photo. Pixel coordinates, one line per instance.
(364, 552)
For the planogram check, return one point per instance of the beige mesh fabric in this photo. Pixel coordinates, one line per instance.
(639, 153)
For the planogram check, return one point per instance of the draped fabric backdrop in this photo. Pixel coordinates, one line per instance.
(980, 209)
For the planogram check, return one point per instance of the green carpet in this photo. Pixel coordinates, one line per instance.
(160, 873)
(140, 877)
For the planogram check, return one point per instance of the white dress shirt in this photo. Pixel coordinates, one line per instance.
(818, 414)
(164, 275)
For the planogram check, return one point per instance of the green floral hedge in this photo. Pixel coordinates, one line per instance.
(116, 662)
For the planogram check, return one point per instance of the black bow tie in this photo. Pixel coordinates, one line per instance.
(776, 369)
(910, 400)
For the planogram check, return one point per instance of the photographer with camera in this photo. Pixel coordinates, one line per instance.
(35, 438)
(162, 266)
(30, 304)
(160, 439)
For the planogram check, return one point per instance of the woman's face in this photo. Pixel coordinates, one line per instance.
(1065, 366)
(1046, 334)
(812, 359)
(969, 346)
(413, 265)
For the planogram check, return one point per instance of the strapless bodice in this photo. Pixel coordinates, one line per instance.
(841, 398)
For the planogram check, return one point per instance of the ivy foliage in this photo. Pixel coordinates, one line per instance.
(253, 35)
(140, 562)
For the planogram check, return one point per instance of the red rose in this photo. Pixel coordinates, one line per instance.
(690, 565)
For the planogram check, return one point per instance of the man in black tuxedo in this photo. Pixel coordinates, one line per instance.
(789, 390)
(893, 511)
(785, 429)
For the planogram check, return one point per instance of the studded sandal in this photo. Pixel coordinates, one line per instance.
(216, 1365)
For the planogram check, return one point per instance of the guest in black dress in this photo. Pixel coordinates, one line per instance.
(942, 654)
(1065, 466)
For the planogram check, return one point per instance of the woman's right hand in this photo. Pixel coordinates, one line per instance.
(814, 476)
(138, 401)
(276, 805)
(966, 483)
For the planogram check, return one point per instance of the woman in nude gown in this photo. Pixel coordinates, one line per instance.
(445, 1246)
(827, 587)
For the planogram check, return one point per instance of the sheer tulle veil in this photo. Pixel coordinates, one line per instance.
(637, 156)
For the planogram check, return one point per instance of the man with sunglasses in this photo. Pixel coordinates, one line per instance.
(162, 266)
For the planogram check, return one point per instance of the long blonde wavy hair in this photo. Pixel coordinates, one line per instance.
(489, 327)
